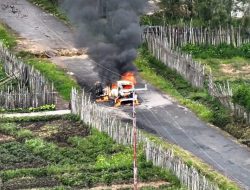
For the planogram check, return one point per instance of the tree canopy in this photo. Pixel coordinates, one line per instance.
(207, 12)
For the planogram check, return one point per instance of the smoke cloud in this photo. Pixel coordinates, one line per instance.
(110, 30)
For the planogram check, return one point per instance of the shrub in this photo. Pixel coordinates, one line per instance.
(24, 134)
(242, 96)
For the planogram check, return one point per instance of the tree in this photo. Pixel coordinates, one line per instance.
(209, 12)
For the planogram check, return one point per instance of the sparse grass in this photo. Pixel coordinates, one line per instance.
(52, 8)
(62, 82)
(235, 67)
(6, 37)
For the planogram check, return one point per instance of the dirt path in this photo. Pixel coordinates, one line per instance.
(36, 114)
(156, 184)
(157, 113)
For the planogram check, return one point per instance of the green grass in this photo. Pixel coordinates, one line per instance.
(52, 8)
(63, 83)
(6, 37)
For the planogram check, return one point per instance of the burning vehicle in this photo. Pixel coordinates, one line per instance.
(120, 92)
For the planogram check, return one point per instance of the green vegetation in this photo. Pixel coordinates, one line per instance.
(242, 96)
(63, 83)
(51, 6)
(14, 155)
(234, 69)
(172, 83)
(222, 51)
(201, 13)
(8, 40)
(31, 109)
(67, 153)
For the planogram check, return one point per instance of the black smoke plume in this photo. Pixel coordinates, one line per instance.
(110, 30)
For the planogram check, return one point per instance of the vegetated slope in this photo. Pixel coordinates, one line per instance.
(226, 61)
(68, 154)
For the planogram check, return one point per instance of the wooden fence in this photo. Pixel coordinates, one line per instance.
(223, 92)
(191, 70)
(33, 90)
(180, 36)
(104, 121)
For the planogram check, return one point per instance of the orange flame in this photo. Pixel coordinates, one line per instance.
(129, 76)
(113, 86)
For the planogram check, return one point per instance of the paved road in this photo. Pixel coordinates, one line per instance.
(157, 114)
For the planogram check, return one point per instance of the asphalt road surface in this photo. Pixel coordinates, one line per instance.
(157, 114)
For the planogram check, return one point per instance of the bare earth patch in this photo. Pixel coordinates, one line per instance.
(155, 184)
(57, 131)
(230, 70)
(5, 138)
(44, 52)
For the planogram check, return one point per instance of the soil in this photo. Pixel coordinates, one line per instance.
(58, 131)
(13, 166)
(156, 184)
(5, 138)
(230, 70)
(22, 183)
(61, 104)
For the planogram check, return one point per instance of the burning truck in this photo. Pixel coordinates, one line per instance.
(120, 92)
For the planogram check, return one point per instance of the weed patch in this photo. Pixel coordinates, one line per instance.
(8, 40)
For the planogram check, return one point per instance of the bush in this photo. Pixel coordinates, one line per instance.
(242, 96)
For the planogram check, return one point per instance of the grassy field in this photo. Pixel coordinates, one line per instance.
(66, 154)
